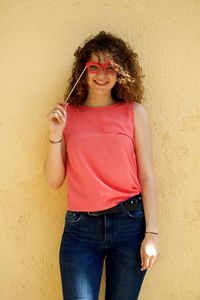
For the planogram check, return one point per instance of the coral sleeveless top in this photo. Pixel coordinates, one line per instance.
(101, 166)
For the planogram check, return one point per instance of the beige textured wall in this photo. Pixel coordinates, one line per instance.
(38, 39)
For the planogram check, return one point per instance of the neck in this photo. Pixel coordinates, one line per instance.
(97, 100)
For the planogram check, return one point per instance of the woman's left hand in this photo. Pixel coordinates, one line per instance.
(149, 251)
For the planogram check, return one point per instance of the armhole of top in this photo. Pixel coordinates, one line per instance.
(66, 107)
(65, 129)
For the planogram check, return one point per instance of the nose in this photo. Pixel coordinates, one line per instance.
(102, 72)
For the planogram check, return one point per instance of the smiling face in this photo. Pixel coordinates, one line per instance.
(103, 81)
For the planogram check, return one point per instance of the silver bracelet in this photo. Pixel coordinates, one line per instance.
(53, 142)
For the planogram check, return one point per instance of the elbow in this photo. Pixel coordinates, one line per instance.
(54, 184)
(147, 177)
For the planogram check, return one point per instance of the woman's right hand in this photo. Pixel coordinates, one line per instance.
(57, 118)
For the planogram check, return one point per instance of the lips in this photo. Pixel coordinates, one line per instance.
(100, 83)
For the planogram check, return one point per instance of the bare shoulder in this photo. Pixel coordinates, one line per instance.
(141, 116)
(140, 109)
(143, 139)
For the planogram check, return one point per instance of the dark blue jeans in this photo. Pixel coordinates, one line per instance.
(87, 240)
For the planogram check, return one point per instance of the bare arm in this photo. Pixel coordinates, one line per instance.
(54, 167)
(143, 148)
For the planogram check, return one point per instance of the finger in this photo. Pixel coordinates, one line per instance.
(61, 114)
(61, 108)
(60, 111)
(54, 115)
(142, 257)
(151, 261)
(145, 262)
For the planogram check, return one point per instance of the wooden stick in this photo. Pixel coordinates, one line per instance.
(75, 84)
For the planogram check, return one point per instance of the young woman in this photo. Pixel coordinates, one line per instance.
(101, 139)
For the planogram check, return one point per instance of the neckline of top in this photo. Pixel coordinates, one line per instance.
(85, 107)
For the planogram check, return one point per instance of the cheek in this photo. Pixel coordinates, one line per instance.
(114, 79)
(89, 78)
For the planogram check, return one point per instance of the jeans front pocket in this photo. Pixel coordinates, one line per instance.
(73, 217)
(137, 213)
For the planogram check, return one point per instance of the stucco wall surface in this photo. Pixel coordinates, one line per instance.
(38, 39)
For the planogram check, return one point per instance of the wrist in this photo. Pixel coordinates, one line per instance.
(152, 233)
(55, 137)
(55, 142)
(151, 227)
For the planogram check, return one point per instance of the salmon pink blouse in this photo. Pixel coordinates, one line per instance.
(101, 165)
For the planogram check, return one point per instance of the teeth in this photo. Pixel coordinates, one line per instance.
(101, 83)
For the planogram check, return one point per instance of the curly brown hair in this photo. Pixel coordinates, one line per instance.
(128, 87)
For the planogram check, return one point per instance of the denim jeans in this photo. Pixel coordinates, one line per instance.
(87, 240)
